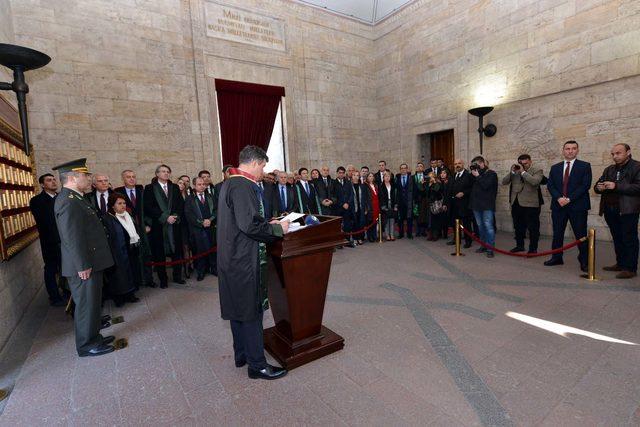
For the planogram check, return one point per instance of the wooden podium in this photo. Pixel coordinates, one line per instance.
(298, 274)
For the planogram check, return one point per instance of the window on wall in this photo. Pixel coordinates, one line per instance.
(276, 148)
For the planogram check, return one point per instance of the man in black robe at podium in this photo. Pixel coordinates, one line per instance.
(243, 233)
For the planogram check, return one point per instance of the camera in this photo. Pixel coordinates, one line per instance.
(516, 167)
(474, 167)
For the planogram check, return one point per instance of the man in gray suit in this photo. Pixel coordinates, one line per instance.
(85, 255)
(525, 199)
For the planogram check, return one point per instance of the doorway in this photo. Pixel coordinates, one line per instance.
(437, 145)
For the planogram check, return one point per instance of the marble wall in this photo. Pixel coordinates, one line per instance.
(554, 69)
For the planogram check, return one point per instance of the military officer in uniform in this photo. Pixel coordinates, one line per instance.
(85, 255)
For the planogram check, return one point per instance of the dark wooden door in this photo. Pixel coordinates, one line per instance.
(442, 147)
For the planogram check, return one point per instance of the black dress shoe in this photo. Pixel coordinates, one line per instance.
(163, 285)
(214, 272)
(58, 303)
(584, 268)
(467, 245)
(151, 285)
(552, 262)
(105, 325)
(108, 340)
(179, 281)
(451, 243)
(268, 373)
(401, 236)
(97, 351)
(410, 236)
(517, 249)
(240, 363)
(481, 249)
(133, 298)
(200, 277)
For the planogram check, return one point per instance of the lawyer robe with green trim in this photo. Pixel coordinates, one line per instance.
(242, 232)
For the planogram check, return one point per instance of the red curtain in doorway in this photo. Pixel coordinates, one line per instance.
(247, 113)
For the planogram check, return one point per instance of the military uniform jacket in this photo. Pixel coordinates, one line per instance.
(83, 241)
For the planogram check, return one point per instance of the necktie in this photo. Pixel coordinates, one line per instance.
(565, 179)
(132, 197)
(283, 201)
(306, 187)
(165, 189)
(325, 180)
(404, 180)
(202, 198)
(103, 204)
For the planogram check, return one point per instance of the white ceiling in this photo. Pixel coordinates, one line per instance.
(369, 11)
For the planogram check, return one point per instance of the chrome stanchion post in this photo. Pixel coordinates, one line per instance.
(379, 228)
(591, 257)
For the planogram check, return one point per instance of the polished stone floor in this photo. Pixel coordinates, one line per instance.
(428, 342)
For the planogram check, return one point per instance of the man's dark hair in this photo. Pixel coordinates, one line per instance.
(420, 163)
(195, 178)
(302, 169)
(382, 161)
(42, 177)
(404, 164)
(478, 159)
(162, 166)
(364, 167)
(252, 153)
(203, 172)
(626, 146)
(524, 157)
(226, 168)
(570, 142)
(341, 168)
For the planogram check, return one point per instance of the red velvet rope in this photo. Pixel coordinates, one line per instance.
(183, 261)
(362, 230)
(523, 255)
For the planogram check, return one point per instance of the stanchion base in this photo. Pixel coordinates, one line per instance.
(3, 394)
(455, 254)
(586, 276)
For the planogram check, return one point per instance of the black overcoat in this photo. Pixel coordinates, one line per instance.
(240, 229)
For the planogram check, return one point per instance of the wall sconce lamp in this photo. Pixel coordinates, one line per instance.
(21, 59)
(488, 130)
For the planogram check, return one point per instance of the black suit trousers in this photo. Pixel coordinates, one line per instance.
(578, 221)
(248, 342)
(526, 218)
(624, 231)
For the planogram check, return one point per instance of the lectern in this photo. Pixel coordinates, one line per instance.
(298, 274)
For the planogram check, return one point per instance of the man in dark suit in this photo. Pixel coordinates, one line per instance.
(85, 255)
(134, 197)
(164, 207)
(404, 184)
(42, 210)
(379, 175)
(324, 186)
(284, 199)
(99, 197)
(569, 183)
(217, 187)
(200, 214)
(461, 183)
(305, 193)
(343, 192)
(433, 167)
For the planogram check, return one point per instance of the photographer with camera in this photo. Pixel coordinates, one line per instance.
(483, 201)
(619, 186)
(524, 182)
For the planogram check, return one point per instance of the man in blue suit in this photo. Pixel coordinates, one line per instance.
(569, 183)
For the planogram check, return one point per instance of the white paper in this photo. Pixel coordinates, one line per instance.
(294, 226)
(292, 217)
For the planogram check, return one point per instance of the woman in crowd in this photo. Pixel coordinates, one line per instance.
(185, 188)
(315, 175)
(446, 185)
(374, 202)
(436, 206)
(388, 202)
(124, 278)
